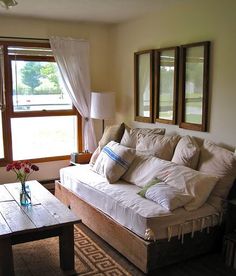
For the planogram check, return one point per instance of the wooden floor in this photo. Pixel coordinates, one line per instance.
(207, 265)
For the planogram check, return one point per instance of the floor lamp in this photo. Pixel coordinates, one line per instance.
(102, 106)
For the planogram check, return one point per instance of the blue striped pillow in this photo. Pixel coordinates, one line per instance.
(113, 161)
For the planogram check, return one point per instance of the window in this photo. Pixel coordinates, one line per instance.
(166, 84)
(194, 85)
(143, 64)
(41, 122)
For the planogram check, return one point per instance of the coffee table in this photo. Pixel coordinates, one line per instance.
(46, 217)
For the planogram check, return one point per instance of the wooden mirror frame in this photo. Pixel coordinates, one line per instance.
(158, 82)
(205, 85)
(137, 116)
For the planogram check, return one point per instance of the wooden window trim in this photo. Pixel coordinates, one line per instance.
(136, 87)
(182, 124)
(9, 113)
(157, 85)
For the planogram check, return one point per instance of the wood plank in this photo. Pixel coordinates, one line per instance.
(4, 194)
(15, 188)
(39, 216)
(4, 228)
(14, 216)
(59, 211)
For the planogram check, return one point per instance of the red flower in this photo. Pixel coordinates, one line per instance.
(26, 170)
(34, 168)
(17, 165)
(22, 169)
(9, 167)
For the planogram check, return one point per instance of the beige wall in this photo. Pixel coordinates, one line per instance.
(96, 34)
(191, 21)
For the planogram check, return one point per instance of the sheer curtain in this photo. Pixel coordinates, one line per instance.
(72, 57)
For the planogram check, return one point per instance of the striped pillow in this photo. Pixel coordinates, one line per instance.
(113, 161)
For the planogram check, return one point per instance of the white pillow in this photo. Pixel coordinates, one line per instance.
(199, 185)
(221, 163)
(167, 196)
(131, 136)
(187, 152)
(189, 181)
(113, 161)
(161, 146)
(143, 169)
(94, 156)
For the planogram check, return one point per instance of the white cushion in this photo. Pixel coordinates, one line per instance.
(189, 181)
(161, 146)
(131, 136)
(186, 152)
(143, 169)
(94, 156)
(113, 161)
(199, 185)
(167, 196)
(220, 162)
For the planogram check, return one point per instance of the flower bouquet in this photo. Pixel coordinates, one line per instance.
(23, 169)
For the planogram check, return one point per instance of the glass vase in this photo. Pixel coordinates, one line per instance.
(25, 195)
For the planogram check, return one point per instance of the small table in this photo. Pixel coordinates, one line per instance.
(46, 217)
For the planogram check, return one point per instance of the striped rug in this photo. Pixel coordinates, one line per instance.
(42, 258)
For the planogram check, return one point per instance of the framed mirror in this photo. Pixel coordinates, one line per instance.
(194, 85)
(143, 85)
(166, 84)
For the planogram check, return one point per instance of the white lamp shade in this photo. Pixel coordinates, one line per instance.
(102, 105)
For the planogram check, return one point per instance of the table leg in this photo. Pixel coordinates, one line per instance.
(6, 258)
(66, 244)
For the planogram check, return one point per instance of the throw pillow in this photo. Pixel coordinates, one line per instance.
(112, 133)
(167, 196)
(189, 181)
(113, 161)
(219, 162)
(94, 156)
(150, 184)
(131, 136)
(161, 146)
(143, 169)
(187, 152)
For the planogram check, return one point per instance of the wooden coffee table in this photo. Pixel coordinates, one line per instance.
(46, 217)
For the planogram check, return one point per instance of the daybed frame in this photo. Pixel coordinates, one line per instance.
(146, 255)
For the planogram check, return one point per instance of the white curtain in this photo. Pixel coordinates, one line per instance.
(72, 57)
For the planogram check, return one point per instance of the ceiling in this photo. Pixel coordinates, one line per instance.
(104, 11)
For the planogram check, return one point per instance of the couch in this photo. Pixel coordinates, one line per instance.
(156, 198)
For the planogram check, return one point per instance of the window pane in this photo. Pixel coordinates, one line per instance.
(37, 86)
(167, 67)
(1, 138)
(43, 136)
(194, 84)
(144, 85)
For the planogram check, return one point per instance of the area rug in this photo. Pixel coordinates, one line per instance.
(42, 258)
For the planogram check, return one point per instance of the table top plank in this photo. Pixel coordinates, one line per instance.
(14, 216)
(5, 195)
(4, 228)
(57, 209)
(39, 216)
(14, 190)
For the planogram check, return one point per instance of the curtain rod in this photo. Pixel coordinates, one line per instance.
(25, 38)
